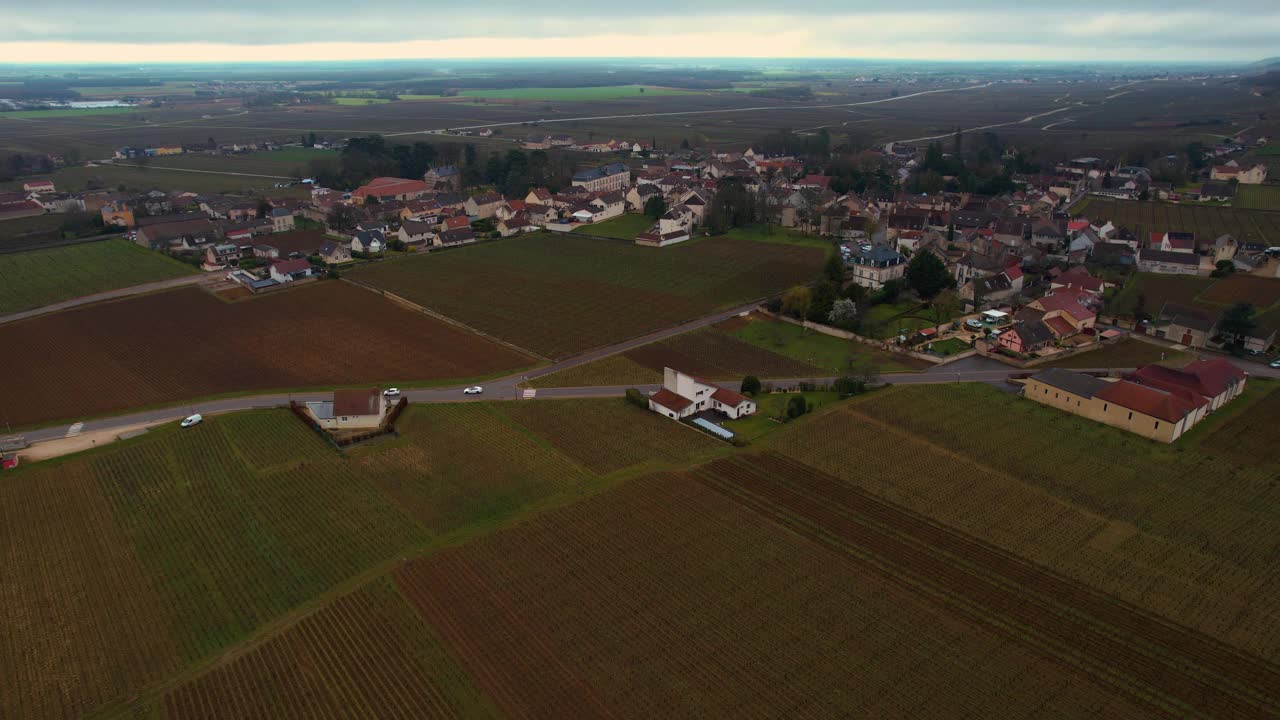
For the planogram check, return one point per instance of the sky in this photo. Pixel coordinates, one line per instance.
(155, 31)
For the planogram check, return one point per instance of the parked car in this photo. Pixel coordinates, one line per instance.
(473, 390)
(391, 392)
(193, 420)
(1275, 363)
(973, 324)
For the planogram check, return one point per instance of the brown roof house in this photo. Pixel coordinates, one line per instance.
(683, 395)
(362, 409)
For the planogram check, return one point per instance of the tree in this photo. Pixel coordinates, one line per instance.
(654, 207)
(1238, 322)
(848, 386)
(264, 208)
(343, 217)
(947, 304)
(1223, 267)
(821, 300)
(796, 406)
(928, 275)
(750, 385)
(834, 269)
(637, 398)
(843, 314)
(684, 144)
(796, 301)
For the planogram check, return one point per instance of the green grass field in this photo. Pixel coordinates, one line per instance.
(154, 176)
(43, 277)
(781, 235)
(577, 94)
(771, 410)
(1127, 353)
(118, 91)
(561, 294)
(283, 162)
(623, 227)
(831, 354)
(67, 113)
(1257, 197)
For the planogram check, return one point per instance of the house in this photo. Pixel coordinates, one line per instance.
(1217, 192)
(1152, 412)
(875, 265)
(1026, 337)
(116, 212)
(611, 205)
(445, 176)
(614, 176)
(683, 395)
(181, 234)
(510, 209)
(659, 239)
(538, 196)
(386, 189)
(1065, 313)
(38, 186)
(368, 241)
(516, 224)
(482, 206)
(1180, 242)
(1255, 175)
(416, 232)
(281, 220)
(350, 410)
(459, 236)
(1224, 248)
(1185, 325)
(1169, 263)
(285, 271)
(218, 256)
(1078, 278)
(638, 195)
(334, 253)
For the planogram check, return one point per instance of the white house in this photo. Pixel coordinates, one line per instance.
(684, 395)
(290, 270)
(368, 241)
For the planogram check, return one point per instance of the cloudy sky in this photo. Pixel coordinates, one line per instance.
(151, 31)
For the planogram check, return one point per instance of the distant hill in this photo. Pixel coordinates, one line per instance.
(1272, 63)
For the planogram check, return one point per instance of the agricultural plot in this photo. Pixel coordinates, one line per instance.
(577, 94)
(832, 355)
(1149, 292)
(193, 344)
(606, 435)
(718, 355)
(1260, 292)
(556, 295)
(1158, 527)
(1257, 197)
(43, 277)
(367, 653)
(612, 370)
(1250, 435)
(687, 602)
(623, 227)
(285, 162)
(1128, 353)
(1152, 291)
(1207, 222)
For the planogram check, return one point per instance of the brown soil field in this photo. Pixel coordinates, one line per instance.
(1260, 292)
(666, 598)
(1251, 434)
(186, 344)
(714, 354)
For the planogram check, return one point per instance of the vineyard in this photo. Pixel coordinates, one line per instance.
(366, 654)
(1207, 222)
(1257, 291)
(42, 277)
(559, 295)
(664, 598)
(1176, 532)
(101, 359)
(1250, 435)
(1151, 292)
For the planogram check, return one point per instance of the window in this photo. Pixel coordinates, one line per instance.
(1104, 407)
(1130, 416)
(1046, 391)
(1157, 425)
(344, 418)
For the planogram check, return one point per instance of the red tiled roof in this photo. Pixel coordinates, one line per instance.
(1077, 224)
(357, 402)
(728, 397)
(1183, 384)
(291, 266)
(1080, 277)
(670, 400)
(1060, 326)
(383, 186)
(1216, 375)
(1159, 404)
(457, 222)
(1013, 272)
(1066, 302)
(1156, 238)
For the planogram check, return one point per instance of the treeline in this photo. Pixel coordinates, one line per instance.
(976, 166)
(512, 172)
(15, 165)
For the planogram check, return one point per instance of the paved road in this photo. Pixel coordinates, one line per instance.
(108, 295)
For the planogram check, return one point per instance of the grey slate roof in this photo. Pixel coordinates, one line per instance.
(1072, 382)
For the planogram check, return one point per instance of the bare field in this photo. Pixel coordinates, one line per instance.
(167, 347)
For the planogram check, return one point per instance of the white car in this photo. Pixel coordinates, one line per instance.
(193, 420)
(473, 390)
(973, 324)
(391, 392)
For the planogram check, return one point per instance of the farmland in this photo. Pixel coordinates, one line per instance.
(558, 295)
(66, 113)
(687, 601)
(134, 177)
(135, 580)
(728, 351)
(575, 94)
(1152, 291)
(1207, 222)
(43, 277)
(1152, 525)
(623, 227)
(1128, 353)
(193, 345)
(1257, 197)
(275, 162)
